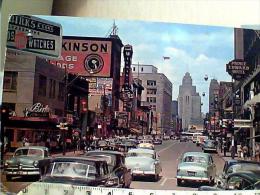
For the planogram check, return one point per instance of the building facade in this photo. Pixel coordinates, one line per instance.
(213, 96)
(189, 104)
(157, 93)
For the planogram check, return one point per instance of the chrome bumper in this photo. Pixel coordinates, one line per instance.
(193, 178)
(140, 172)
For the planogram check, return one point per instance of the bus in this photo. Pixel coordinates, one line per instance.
(191, 136)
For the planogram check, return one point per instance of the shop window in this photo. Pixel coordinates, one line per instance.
(10, 80)
(42, 85)
(52, 88)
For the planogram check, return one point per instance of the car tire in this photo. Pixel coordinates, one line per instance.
(8, 178)
(179, 182)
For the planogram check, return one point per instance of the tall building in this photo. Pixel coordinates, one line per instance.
(189, 103)
(213, 95)
(157, 92)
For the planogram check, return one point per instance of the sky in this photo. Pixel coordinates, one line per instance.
(197, 49)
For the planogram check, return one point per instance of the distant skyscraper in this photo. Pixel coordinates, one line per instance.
(189, 103)
(213, 92)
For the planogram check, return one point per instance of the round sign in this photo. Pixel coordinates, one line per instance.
(20, 40)
(93, 63)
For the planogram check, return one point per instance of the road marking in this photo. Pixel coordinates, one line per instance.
(166, 148)
(164, 181)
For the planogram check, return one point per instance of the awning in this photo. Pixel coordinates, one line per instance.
(253, 101)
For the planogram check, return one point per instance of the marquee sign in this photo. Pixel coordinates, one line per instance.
(29, 34)
(86, 56)
(238, 69)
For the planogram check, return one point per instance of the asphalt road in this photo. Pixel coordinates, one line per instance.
(170, 152)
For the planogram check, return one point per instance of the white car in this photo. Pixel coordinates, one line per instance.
(143, 162)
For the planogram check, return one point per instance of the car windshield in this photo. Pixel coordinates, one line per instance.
(209, 143)
(29, 152)
(140, 154)
(195, 159)
(72, 169)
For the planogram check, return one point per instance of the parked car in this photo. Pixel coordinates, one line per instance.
(146, 146)
(116, 165)
(183, 139)
(196, 167)
(209, 146)
(25, 161)
(86, 171)
(144, 162)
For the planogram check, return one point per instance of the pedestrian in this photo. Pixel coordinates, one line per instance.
(245, 152)
(239, 151)
(225, 147)
(232, 147)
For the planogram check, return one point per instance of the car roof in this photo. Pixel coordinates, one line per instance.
(76, 159)
(106, 151)
(33, 147)
(142, 150)
(252, 175)
(196, 154)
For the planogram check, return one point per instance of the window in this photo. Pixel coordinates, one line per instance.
(151, 83)
(151, 99)
(42, 85)
(142, 69)
(61, 91)
(151, 91)
(133, 68)
(52, 88)
(10, 80)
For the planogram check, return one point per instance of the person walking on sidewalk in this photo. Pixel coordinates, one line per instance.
(239, 151)
(245, 151)
(233, 147)
(257, 152)
(225, 146)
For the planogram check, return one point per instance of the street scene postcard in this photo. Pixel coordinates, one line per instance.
(103, 106)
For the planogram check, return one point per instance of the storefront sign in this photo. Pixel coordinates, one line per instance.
(238, 69)
(121, 115)
(34, 35)
(86, 56)
(37, 110)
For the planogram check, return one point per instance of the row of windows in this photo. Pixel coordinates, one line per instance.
(152, 91)
(142, 69)
(151, 99)
(42, 91)
(151, 83)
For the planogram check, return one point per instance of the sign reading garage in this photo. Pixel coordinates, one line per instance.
(86, 56)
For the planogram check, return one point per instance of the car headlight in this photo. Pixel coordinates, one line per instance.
(35, 163)
(6, 164)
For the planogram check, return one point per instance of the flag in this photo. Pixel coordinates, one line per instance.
(166, 58)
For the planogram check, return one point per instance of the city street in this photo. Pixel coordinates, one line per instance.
(170, 152)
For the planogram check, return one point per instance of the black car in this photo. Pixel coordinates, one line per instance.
(87, 171)
(116, 165)
(242, 180)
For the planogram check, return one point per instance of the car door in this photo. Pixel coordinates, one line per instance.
(213, 167)
(158, 167)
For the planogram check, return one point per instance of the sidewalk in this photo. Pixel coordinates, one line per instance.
(228, 156)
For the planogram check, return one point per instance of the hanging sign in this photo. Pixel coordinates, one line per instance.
(238, 69)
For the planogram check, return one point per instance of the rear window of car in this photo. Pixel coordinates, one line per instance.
(29, 152)
(195, 159)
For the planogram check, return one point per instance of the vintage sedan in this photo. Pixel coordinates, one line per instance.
(25, 162)
(85, 171)
(157, 141)
(196, 167)
(209, 146)
(146, 146)
(143, 162)
(116, 165)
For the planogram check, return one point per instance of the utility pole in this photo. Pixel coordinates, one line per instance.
(65, 110)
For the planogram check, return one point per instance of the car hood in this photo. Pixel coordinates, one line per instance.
(26, 160)
(192, 166)
(131, 162)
